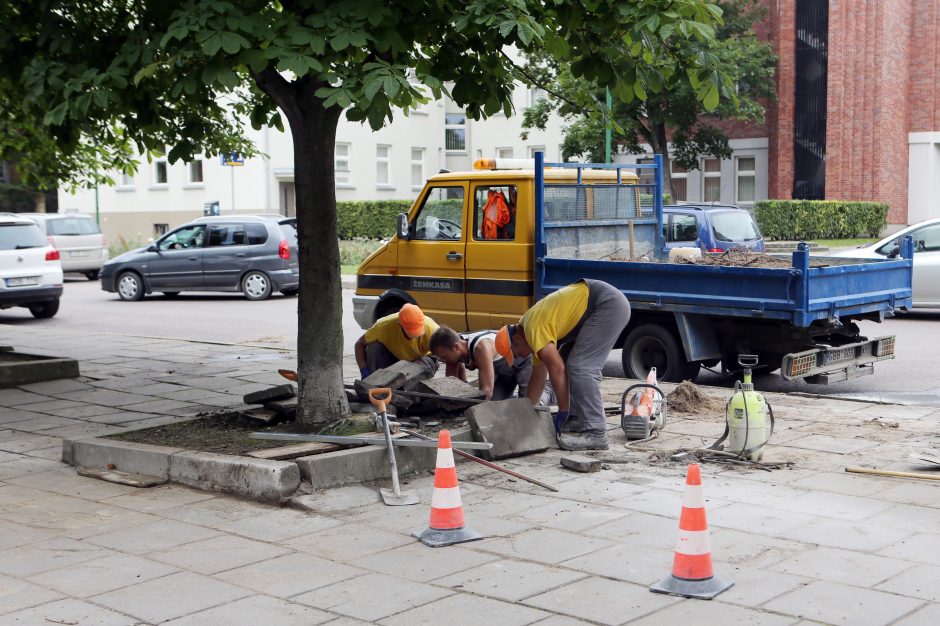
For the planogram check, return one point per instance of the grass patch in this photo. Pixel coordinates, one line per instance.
(845, 243)
(348, 269)
(352, 252)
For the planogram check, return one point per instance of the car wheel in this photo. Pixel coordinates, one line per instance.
(92, 275)
(256, 285)
(290, 292)
(44, 310)
(130, 286)
(649, 346)
(171, 294)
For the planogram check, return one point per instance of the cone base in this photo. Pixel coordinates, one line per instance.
(702, 589)
(438, 538)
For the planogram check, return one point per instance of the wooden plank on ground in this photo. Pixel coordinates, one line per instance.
(309, 448)
(121, 478)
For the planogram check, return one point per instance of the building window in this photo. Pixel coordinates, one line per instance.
(534, 149)
(536, 95)
(680, 181)
(195, 172)
(455, 132)
(711, 180)
(341, 153)
(160, 172)
(647, 176)
(160, 229)
(746, 177)
(503, 153)
(417, 168)
(383, 175)
(127, 180)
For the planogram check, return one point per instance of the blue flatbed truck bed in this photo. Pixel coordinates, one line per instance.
(799, 317)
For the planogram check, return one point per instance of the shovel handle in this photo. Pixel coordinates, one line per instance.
(379, 396)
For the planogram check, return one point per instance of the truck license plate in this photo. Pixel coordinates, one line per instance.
(22, 281)
(841, 354)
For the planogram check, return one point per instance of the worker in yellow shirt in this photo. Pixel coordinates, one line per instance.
(569, 335)
(402, 336)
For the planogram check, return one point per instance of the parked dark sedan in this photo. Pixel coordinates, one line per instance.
(256, 255)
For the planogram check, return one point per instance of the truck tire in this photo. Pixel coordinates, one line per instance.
(650, 345)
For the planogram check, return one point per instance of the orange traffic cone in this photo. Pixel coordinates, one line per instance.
(692, 575)
(447, 523)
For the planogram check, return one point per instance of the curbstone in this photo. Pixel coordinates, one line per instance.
(257, 479)
(133, 458)
(20, 368)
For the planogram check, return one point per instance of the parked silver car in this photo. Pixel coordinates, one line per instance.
(81, 244)
(254, 254)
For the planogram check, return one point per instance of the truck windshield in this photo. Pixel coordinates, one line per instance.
(734, 226)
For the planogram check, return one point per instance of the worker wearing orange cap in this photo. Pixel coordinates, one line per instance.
(402, 336)
(569, 335)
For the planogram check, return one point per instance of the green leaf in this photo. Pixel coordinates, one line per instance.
(640, 92)
(711, 99)
(212, 45)
(233, 42)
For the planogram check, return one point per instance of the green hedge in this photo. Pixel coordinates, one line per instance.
(820, 219)
(375, 219)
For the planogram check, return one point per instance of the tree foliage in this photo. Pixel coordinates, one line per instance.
(676, 105)
(85, 84)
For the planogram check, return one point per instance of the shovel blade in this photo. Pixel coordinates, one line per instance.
(403, 499)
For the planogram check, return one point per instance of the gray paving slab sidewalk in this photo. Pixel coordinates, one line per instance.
(810, 544)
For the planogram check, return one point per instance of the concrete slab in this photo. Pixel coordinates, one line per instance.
(842, 566)
(602, 601)
(835, 603)
(544, 545)
(218, 554)
(257, 610)
(101, 575)
(513, 426)
(921, 581)
(386, 595)
(17, 594)
(922, 547)
(509, 580)
(472, 611)
(69, 611)
(411, 562)
(155, 536)
(50, 554)
(289, 575)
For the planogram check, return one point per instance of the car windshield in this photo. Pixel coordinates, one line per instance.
(734, 226)
(20, 236)
(72, 226)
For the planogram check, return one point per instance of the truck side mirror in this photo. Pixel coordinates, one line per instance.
(403, 233)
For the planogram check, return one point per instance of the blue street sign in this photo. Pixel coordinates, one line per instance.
(233, 160)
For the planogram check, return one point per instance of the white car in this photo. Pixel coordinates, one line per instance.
(81, 244)
(30, 270)
(926, 236)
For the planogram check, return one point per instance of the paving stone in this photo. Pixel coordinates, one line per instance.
(921, 581)
(72, 517)
(562, 620)
(922, 493)
(452, 387)
(16, 594)
(832, 445)
(9, 417)
(181, 594)
(908, 517)
(836, 603)
(927, 616)
(633, 562)
(24, 443)
(19, 397)
(68, 612)
(159, 498)
(107, 397)
(583, 464)
(280, 524)
(14, 494)
(218, 554)
(572, 516)
(159, 535)
(26, 465)
(716, 612)
(13, 535)
(48, 555)
(864, 535)
(413, 563)
(466, 610)
(513, 426)
(101, 575)
(756, 519)
(291, 574)
(214, 512)
(836, 505)
(509, 580)
(743, 549)
(41, 422)
(545, 545)
(334, 543)
(42, 404)
(158, 406)
(256, 610)
(652, 530)
(922, 547)
(845, 484)
(84, 411)
(753, 587)
(602, 601)
(120, 417)
(386, 595)
(68, 483)
(842, 566)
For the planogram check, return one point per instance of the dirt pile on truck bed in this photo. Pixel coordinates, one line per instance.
(743, 257)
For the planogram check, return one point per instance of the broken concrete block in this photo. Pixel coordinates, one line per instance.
(452, 389)
(583, 464)
(267, 416)
(398, 400)
(513, 426)
(401, 375)
(281, 392)
(286, 407)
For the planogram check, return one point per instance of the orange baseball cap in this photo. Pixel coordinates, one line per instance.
(504, 342)
(411, 319)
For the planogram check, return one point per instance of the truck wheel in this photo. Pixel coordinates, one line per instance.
(649, 346)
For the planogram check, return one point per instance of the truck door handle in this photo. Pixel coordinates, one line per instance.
(454, 256)
(193, 258)
(240, 254)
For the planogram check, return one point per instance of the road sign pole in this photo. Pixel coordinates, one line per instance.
(232, 178)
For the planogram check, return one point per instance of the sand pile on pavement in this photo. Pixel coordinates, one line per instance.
(688, 399)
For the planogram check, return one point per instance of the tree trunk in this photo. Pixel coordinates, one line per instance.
(660, 146)
(322, 398)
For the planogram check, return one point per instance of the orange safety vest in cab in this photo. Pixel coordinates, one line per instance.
(495, 214)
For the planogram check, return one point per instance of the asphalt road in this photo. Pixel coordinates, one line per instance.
(228, 318)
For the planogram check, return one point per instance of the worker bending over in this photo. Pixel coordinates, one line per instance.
(569, 335)
(477, 351)
(402, 336)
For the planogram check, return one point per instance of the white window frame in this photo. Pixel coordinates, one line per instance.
(417, 167)
(501, 153)
(126, 183)
(680, 175)
(155, 172)
(462, 126)
(387, 162)
(707, 175)
(536, 94)
(531, 150)
(190, 181)
(341, 164)
(739, 174)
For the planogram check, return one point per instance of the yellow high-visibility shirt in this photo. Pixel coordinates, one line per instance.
(554, 316)
(388, 332)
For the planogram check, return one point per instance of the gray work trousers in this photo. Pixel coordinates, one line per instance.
(379, 357)
(585, 354)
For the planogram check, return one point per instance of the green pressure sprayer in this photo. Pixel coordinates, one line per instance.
(750, 419)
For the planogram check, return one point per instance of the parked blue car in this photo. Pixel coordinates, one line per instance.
(712, 227)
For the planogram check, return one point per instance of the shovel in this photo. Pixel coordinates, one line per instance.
(392, 497)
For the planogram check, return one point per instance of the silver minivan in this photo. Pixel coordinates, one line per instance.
(254, 254)
(81, 244)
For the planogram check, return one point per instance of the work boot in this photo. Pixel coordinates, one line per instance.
(588, 440)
